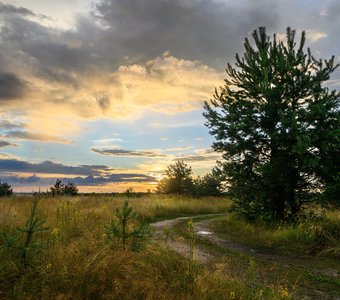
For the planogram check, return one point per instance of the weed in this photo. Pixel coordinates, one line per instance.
(251, 273)
(191, 258)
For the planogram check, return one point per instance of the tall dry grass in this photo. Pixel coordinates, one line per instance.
(78, 263)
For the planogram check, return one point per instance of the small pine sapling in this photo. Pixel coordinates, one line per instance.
(123, 226)
(33, 225)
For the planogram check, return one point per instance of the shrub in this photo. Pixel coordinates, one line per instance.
(59, 188)
(5, 189)
(70, 189)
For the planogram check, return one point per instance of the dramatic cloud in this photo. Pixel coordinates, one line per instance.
(113, 60)
(6, 124)
(10, 9)
(11, 87)
(24, 135)
(7, 144)
(205, 30)
(181, 85)
(125, 66)
(124, 177)
(199, 155)
(79, 181)
(48, 167)
(63, 66)
(133, 153)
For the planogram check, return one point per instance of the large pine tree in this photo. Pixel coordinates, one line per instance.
(277, 126)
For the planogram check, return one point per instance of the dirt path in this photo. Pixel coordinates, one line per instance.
(204, 229)
(179, 245)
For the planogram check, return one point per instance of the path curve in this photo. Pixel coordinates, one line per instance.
(180, 245)
(204, 230)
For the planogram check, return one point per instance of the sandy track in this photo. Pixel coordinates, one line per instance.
(204, 230)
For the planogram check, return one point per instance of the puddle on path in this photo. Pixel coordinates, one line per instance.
(203, 232)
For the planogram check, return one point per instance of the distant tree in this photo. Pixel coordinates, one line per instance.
(277, 126)
(210, 184)
(70, 189)
(178, 179)
(5, 189)
(129, 192)
(57, 188)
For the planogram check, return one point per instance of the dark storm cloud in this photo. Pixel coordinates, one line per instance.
(201, 155)
(129, 177)
(47, 46)
(79, 181)
(127, 153)
(11, 87)
(138, 29)
(18, 180)
(133, 31)
(48, 167)
(206, 30)
(10, 9)
(211, 31)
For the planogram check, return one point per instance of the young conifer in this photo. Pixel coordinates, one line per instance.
(276, 124)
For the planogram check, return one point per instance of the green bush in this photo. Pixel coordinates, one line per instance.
(68, 189)
(5, 189)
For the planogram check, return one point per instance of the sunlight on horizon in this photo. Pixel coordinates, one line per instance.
(101, 92)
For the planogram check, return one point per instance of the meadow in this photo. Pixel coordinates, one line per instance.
(74, 258)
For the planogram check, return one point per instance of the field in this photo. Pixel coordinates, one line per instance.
(74, 258)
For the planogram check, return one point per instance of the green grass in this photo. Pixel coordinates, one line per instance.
(302, 277)
(315, 236)
(78, 263)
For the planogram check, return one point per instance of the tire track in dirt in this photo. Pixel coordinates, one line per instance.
(204, 230)
(180, 245)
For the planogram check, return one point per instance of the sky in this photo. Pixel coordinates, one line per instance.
(108, 93)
